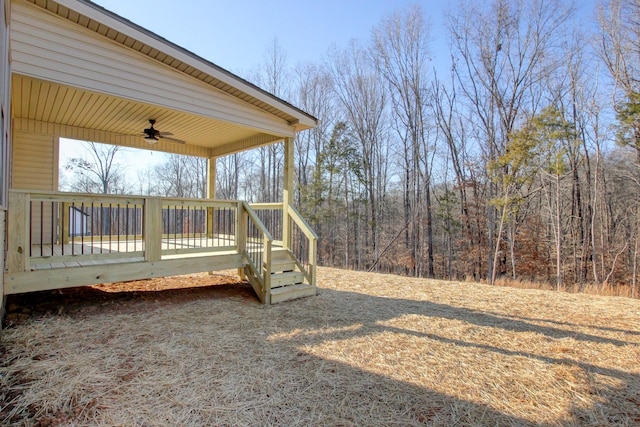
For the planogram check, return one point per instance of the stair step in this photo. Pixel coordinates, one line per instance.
(292, 292)
(282, 260)
(285, 266)
(286, 279)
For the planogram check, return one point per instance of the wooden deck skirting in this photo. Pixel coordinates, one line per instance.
(58, 240)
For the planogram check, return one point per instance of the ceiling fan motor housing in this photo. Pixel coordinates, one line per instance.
(151, 133)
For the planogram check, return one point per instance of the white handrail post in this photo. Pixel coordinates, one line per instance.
(211, 192)
(266, 272)
(313, 253)
(18, 238)
(241, 233)
(152, 229)
(287, 196)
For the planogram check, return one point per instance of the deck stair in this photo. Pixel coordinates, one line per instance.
(287, 279)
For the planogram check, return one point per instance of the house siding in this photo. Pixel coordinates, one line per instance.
(5, 134)
(33, 162)
(34, 167)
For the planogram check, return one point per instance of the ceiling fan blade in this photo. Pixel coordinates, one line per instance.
(164, 133)
(179, 141)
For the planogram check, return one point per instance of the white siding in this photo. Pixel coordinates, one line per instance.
(33, 162)
(50, 48)
(5, 102)
(34, 168)
(5, 120)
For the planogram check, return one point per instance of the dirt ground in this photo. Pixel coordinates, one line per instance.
(113, 296)
(370, 349)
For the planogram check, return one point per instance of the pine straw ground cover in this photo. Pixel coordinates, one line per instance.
(368, 350)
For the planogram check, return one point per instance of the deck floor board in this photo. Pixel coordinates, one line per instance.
(96, 252)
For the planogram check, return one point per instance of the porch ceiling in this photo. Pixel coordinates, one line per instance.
(49, 102)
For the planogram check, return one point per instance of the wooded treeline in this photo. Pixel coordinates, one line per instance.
(521, 160)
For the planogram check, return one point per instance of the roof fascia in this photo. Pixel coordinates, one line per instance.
(141, 34)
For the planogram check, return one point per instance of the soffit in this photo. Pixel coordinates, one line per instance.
(48, 102)
(132, 36)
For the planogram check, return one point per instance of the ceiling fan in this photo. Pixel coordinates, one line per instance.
(152, 135)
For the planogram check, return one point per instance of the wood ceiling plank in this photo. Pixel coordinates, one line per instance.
(34, 96)
(52, 95)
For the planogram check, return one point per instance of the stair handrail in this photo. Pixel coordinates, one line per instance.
(312, 237)
(302, 223)
(264, 271)
(254, 217)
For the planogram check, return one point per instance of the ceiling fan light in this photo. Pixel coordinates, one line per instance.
(151, 139)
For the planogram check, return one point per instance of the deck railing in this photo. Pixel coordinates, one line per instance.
(67, 229)
(298, 237)
(271, 216)
(303, 243)
(48, 230)
(257, 245)
(196, 226)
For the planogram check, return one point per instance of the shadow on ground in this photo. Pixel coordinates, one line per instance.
(375, 399)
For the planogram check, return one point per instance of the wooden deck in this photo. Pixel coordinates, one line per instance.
(80, 254)
(131, 238)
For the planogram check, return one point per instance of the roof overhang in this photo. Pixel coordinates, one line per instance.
(39, 96)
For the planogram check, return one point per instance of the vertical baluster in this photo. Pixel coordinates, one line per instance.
(63, 226)
(118, 227)
(218, 225)
(188, 223)
(101, 226)
(72, 226)
(52, 225)
(201, 227)
(110, 225)
(83, 226)
(135, 228)
(42, 228)
(126, 227)
(165, 220)
(31, 230)
(93, 224)
(175, 226)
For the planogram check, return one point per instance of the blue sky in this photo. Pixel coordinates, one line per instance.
(235, 34)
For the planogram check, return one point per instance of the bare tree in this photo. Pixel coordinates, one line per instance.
(361, 94)
(228, 179)
(401, 55)
(100, 172)
(620, 51)
(274, 77)
(314, 94)
(503, 50)
(182, 176)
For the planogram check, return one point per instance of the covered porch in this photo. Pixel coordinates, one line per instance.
(81, 72)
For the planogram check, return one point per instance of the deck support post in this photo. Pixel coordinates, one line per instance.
(241, 233)
(211, 192)
(153, 229)
(18, 233)
(287, 196)
(266, 271)
(64, 221)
